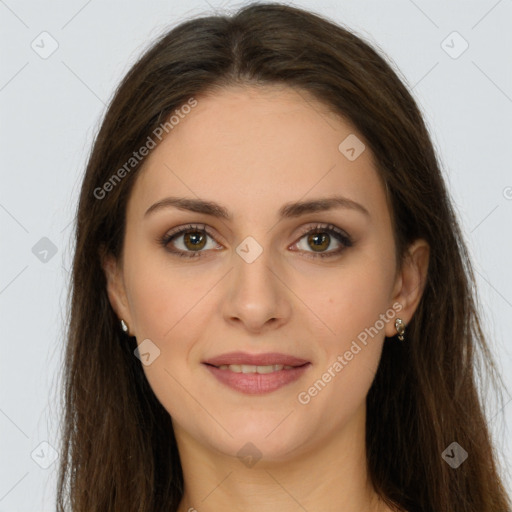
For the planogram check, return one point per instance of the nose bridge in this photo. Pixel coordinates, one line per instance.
(256, 295)
(252, 275)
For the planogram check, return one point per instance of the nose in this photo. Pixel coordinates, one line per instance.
(256, 296)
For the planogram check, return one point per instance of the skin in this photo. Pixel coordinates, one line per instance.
(252, 150)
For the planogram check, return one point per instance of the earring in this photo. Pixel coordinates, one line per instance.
(124, 326)
(400, 328)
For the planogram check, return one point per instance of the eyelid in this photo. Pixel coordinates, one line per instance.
(341, 236)
(327, 227)
(188, 227)
(179, 231)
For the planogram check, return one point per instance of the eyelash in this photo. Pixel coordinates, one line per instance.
(338, 234)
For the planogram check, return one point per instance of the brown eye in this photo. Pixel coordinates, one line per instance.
(319, 241)
(194, 240)
(189, 241)
(323, 241)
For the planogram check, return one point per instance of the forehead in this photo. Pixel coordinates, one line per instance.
(259, 147)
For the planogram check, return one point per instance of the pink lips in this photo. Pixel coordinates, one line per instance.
(256, 383)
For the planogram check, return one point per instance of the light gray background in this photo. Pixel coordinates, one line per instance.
(51, 108)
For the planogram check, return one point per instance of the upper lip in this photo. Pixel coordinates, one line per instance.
(269, 358)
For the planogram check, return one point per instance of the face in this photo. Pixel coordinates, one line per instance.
(310, 288)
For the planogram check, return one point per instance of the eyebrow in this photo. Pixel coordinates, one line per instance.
(287, 211)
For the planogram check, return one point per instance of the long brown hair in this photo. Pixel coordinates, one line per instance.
(119, 452)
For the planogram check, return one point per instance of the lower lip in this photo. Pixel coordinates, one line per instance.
(258, 383)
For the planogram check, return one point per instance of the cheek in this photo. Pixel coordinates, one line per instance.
(172, 310)
(157, 304)
(350, 303)
(353, 301)
(163, 296)
(347, 300)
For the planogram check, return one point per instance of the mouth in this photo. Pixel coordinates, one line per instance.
(250, 368)
(258, 360)
(256, 373)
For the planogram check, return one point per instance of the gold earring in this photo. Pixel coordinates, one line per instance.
(400, 328)
(124, 326)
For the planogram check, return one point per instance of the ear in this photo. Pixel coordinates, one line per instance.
(115, 287)
(410, 282)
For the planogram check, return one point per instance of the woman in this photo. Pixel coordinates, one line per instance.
(272, 303)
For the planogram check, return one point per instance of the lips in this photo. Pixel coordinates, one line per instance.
(267, 359)
(256, 373)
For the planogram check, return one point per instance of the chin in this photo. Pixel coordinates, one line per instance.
(260, 435)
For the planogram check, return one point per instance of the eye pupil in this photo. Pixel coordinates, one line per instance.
(320, 241)
(196, 238)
